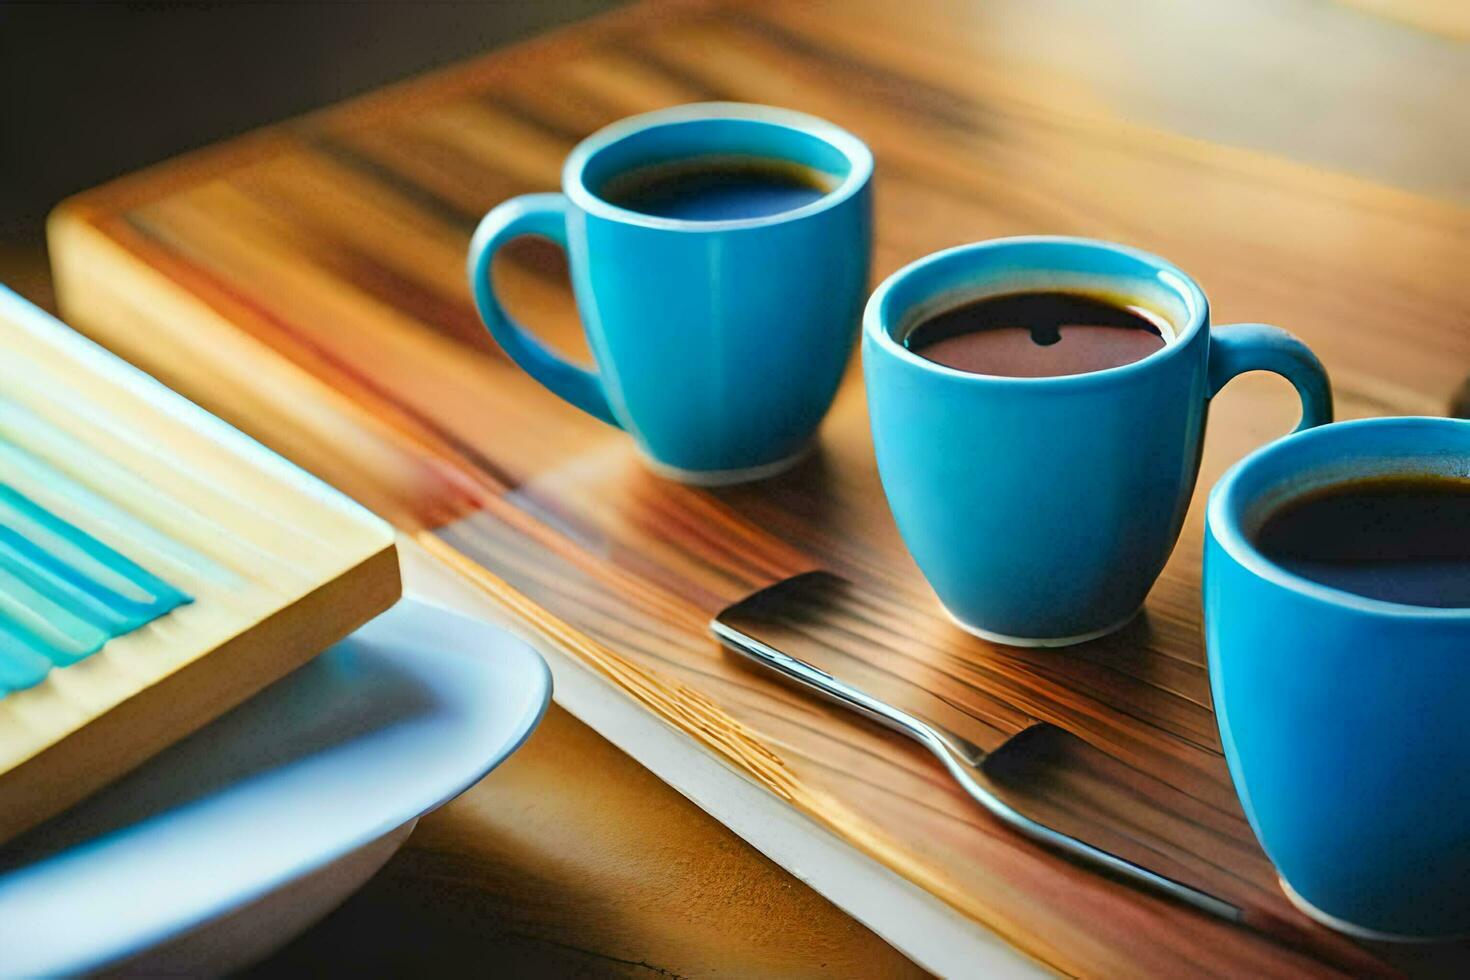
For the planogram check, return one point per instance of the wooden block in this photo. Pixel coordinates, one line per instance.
(166, 565)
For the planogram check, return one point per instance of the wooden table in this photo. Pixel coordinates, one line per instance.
(305, 281)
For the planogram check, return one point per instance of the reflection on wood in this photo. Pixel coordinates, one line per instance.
(306, 283)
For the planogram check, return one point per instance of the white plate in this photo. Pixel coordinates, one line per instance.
(298, 795)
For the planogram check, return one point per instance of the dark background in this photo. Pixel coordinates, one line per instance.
(89, 91)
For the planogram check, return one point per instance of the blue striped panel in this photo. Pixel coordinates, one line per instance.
(64, 594)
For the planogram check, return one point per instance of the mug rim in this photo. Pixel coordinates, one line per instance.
(855, 151)
(1225, 504)
(876, 328)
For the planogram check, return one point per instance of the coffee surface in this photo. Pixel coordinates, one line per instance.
(1038, 334)
(1402, 539)
(717, 189)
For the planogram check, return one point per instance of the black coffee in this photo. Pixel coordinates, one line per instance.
(717, 188)
(1038, 334)
(1404, 538)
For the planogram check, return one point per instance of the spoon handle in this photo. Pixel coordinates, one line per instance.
(963, 761)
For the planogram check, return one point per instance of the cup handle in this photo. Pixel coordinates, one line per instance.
(530, 214)
(1243, 347)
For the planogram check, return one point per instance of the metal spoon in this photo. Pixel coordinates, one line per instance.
(974, 769)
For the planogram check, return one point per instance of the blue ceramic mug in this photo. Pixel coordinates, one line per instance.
(1042, 509)
(1345, 719)
(719, 344)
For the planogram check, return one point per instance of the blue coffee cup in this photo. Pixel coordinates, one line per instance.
(1042, 509)
(1345, 719)
(719, 344)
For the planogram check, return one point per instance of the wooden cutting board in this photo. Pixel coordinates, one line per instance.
(157, 567)
(307, 283)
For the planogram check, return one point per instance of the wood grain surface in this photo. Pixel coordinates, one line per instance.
(306, 282)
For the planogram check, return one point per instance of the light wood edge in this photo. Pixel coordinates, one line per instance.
(195, 167)
(197, 693)
(913, 918)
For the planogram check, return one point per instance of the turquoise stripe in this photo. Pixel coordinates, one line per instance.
(63, 593)
(81, 558)
(21, 664)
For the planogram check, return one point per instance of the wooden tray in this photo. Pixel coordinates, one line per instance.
(306, 281)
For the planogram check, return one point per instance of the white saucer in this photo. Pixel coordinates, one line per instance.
(229, 844)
